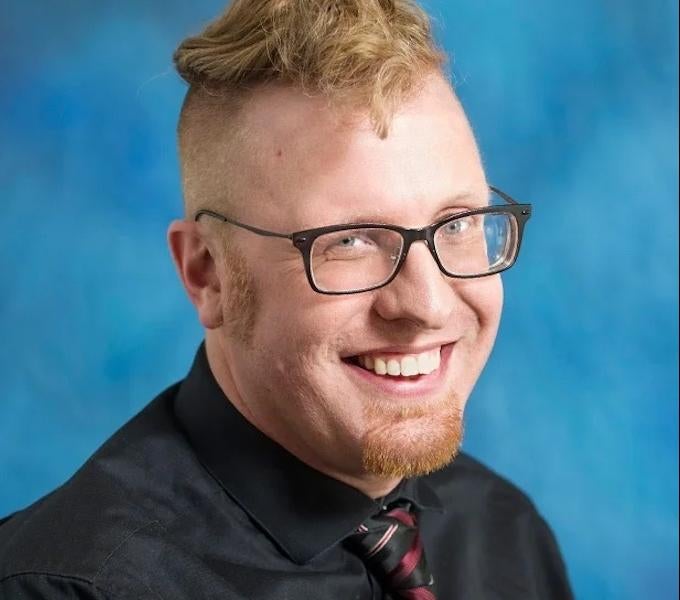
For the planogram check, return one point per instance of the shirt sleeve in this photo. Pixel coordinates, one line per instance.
(34, 586)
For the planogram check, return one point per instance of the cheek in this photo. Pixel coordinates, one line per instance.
(305, 322)
(491, 301)
(484, 297)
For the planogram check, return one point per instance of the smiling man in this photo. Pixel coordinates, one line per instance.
(343, 250)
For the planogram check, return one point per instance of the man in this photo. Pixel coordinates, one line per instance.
(342, 248)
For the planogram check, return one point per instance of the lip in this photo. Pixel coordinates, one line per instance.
(402, 387)
(403, 350)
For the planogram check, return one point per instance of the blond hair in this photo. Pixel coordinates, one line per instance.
(368, 54)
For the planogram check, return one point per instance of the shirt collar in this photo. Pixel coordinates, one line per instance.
(303, 510)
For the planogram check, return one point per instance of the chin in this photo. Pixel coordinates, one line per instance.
(410, 445)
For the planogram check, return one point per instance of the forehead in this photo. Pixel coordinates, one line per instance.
(309, 165)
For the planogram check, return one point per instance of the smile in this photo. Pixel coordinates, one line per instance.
(406, 365)
(406, 374)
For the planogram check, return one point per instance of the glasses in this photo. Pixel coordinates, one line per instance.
(349, 259)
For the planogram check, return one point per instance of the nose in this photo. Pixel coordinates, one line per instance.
(420, 293)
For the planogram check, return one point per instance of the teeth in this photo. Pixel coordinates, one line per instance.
(424, 364)
(409, 366)
(405, 366)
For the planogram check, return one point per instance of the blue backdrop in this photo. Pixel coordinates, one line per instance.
(575, 107)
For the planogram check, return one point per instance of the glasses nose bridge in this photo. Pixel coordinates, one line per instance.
(417, 235)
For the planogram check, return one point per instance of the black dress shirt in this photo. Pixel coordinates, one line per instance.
(190, 501)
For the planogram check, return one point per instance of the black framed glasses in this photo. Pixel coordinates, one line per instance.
(349, 259)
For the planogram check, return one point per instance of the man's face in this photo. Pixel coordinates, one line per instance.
(299, 371)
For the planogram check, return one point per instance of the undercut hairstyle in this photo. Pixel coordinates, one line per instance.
(366, 55)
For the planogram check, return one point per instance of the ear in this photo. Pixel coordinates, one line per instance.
(197, 269)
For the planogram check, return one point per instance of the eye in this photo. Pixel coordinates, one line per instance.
(458, 226)
(349, 241)
(377, 244)
(346, 244)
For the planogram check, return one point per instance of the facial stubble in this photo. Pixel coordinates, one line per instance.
(239, 310)
(410, 441)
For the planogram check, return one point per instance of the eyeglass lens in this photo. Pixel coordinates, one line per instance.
(357, 259)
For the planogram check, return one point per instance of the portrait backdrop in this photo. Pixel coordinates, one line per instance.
(575, 108)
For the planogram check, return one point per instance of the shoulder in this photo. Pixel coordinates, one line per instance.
(469, 489)
(478, 481)
(70, 538)
(497, 524)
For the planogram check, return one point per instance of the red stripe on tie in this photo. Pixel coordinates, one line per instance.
(408, 562)
(402, 516)
(417, 594)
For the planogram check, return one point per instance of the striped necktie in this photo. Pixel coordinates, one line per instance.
(390, 546)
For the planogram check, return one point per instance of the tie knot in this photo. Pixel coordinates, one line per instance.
(390, 546)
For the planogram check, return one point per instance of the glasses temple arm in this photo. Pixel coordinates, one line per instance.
(503, 195)
(256, 230)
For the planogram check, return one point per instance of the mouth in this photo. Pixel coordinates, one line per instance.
(408, 371)
(399, 365)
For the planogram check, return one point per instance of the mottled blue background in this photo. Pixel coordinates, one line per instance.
(575, 107)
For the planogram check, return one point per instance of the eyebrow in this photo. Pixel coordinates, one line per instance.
(464, 200)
